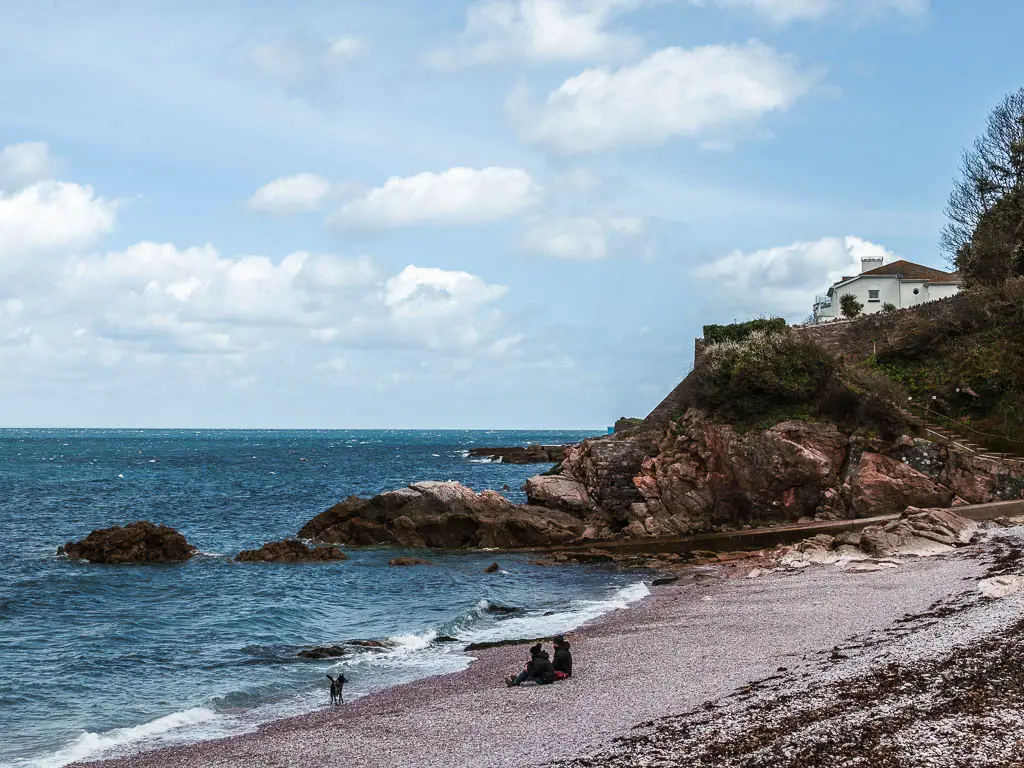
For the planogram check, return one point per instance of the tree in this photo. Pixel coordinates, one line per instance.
(992, 170)
(849, 305)
(996, 250)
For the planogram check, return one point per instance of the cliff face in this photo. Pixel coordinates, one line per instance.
(699, 475)
(693, 476)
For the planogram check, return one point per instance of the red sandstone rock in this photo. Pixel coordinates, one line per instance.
(882, 485)
(558, 492)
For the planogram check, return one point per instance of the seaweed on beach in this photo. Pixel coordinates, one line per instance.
(964, 707)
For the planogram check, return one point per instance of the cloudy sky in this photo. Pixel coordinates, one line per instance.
(501, 213)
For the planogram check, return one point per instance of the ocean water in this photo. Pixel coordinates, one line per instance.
(99, 660)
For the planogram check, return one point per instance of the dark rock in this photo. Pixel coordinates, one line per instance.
(446, 639)
(503, 643)
(406, 561)
(323, 652)
(517, 454)
(492, 568)
(290, 551)
(502, 609)
(583, 556)
(664, 580)
(140, 542)
(367, 643)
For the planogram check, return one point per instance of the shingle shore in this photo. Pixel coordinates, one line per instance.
(689, 643)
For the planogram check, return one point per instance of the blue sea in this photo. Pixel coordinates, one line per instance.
(100, 660)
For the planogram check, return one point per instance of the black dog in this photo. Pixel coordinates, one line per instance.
(337, 683)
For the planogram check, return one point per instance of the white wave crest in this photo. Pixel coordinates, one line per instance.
(577, 613)
(412, 642)
(89, 745)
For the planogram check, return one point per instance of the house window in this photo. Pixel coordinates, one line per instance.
(873, 296)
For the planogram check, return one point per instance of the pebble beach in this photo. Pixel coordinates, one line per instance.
(791, 667)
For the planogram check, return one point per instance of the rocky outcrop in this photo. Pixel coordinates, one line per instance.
(919, 532)
(445, 515)
(694, 476)
(559, 492)
(140, 542)
(882, 483)
(518, 454)
(290, 551)
(404, 562)
(708, 476)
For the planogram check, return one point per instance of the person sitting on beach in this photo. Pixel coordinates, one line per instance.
(562, 662)
(539, 669)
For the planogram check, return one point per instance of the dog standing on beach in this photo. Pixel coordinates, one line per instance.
(337, 684)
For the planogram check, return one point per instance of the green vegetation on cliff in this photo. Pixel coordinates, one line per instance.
(771, 377)
(966, 363)
(716, 334)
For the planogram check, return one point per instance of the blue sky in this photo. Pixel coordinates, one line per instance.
(494, 214)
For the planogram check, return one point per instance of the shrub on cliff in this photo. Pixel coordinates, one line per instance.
(716, 334)
(742, 381)
(968, 357)
(771, 377)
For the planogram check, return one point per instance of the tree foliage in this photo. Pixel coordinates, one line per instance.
(849, 305)
(983, 234)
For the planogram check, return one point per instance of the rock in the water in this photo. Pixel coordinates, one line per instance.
(492, 568)
(406, 561)
(323, 652)
(920, 532)
(290, 551)
(444, 515)
(662, 580)
(517, 454)
(140, 542)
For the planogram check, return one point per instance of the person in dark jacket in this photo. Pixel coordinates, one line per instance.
(539, 669)
(563, 658)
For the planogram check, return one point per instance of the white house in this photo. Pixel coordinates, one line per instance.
(901, 284)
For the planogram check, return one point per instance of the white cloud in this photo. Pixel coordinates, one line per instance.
(22, 165)
(428, 291)
(785, 279)
(698, 93)
(586, 238)
(785, 11)
(291, 194)
(458, 195)
(51, 215)
(537, 30)
(300, 61)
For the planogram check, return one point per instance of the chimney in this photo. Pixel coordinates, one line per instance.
(870, 263)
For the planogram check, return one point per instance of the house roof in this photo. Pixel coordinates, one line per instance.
(907, 270)
(903, 270)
